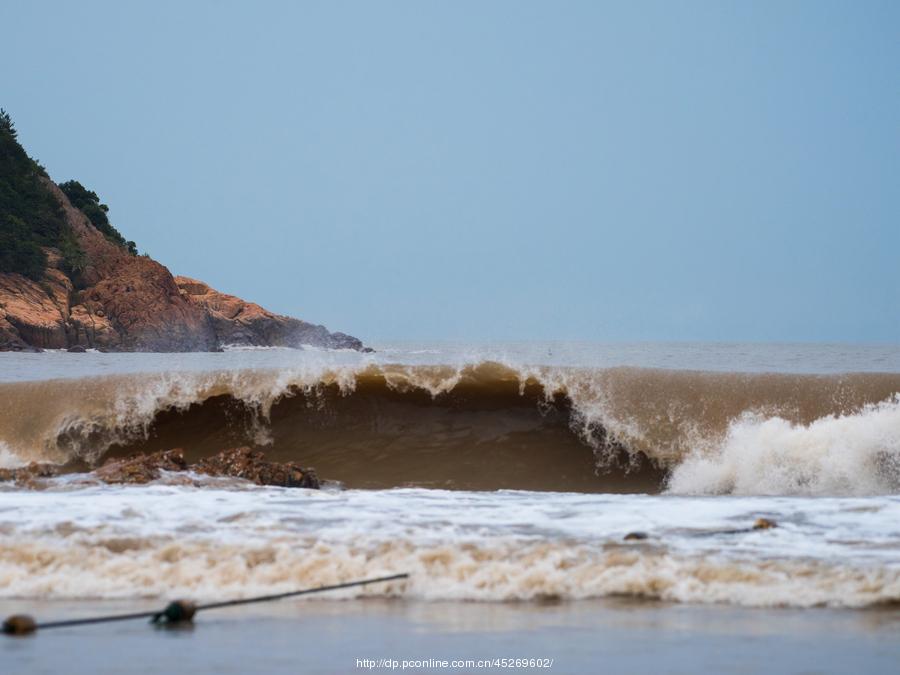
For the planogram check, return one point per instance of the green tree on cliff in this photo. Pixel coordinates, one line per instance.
(89, 203)
(6, 124)
(30, 217)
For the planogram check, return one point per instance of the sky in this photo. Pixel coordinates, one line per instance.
(629, 171)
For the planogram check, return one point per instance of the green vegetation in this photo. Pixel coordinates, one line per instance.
(31, 217)
(89, 204)
(19, 252)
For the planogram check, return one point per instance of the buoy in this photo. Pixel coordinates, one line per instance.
(178, 611)
(19, 624)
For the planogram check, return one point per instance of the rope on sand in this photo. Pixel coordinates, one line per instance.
(179, 611)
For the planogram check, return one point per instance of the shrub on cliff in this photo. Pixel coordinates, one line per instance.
(74, 259)
(18, 251)
(89, 203)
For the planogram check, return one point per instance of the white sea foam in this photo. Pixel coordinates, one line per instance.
(9, 459)
(857, 454)
(168, 540)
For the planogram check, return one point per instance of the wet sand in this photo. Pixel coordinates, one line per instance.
(609, 636)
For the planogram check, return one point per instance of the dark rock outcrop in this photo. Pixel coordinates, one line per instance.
(252, 465)
(245, 463)
(29, 476)
(140, 469)
(635, 536)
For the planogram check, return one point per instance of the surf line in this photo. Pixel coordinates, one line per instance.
(176, 612)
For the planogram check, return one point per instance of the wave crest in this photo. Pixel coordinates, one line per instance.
(486, 425)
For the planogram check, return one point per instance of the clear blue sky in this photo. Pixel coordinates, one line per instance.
(490, 170)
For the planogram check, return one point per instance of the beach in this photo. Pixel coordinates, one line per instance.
(599, 636)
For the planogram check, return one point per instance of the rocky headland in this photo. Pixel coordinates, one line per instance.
(69, 280)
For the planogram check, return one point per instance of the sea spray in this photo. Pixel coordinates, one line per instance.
(855, 454)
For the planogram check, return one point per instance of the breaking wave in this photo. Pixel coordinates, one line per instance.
(856, 454)
(487, 425)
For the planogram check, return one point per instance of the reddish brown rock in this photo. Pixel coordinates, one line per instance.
(139, 469)
(238, 322)
(31, 315)
(29, 476)
(244, 463)
(252, 465)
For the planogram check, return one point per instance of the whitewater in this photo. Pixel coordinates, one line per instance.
(488, 472)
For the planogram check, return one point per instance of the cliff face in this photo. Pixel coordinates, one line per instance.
(132, 303)
(237, 322)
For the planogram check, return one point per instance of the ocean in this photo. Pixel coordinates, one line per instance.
(503, 478)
